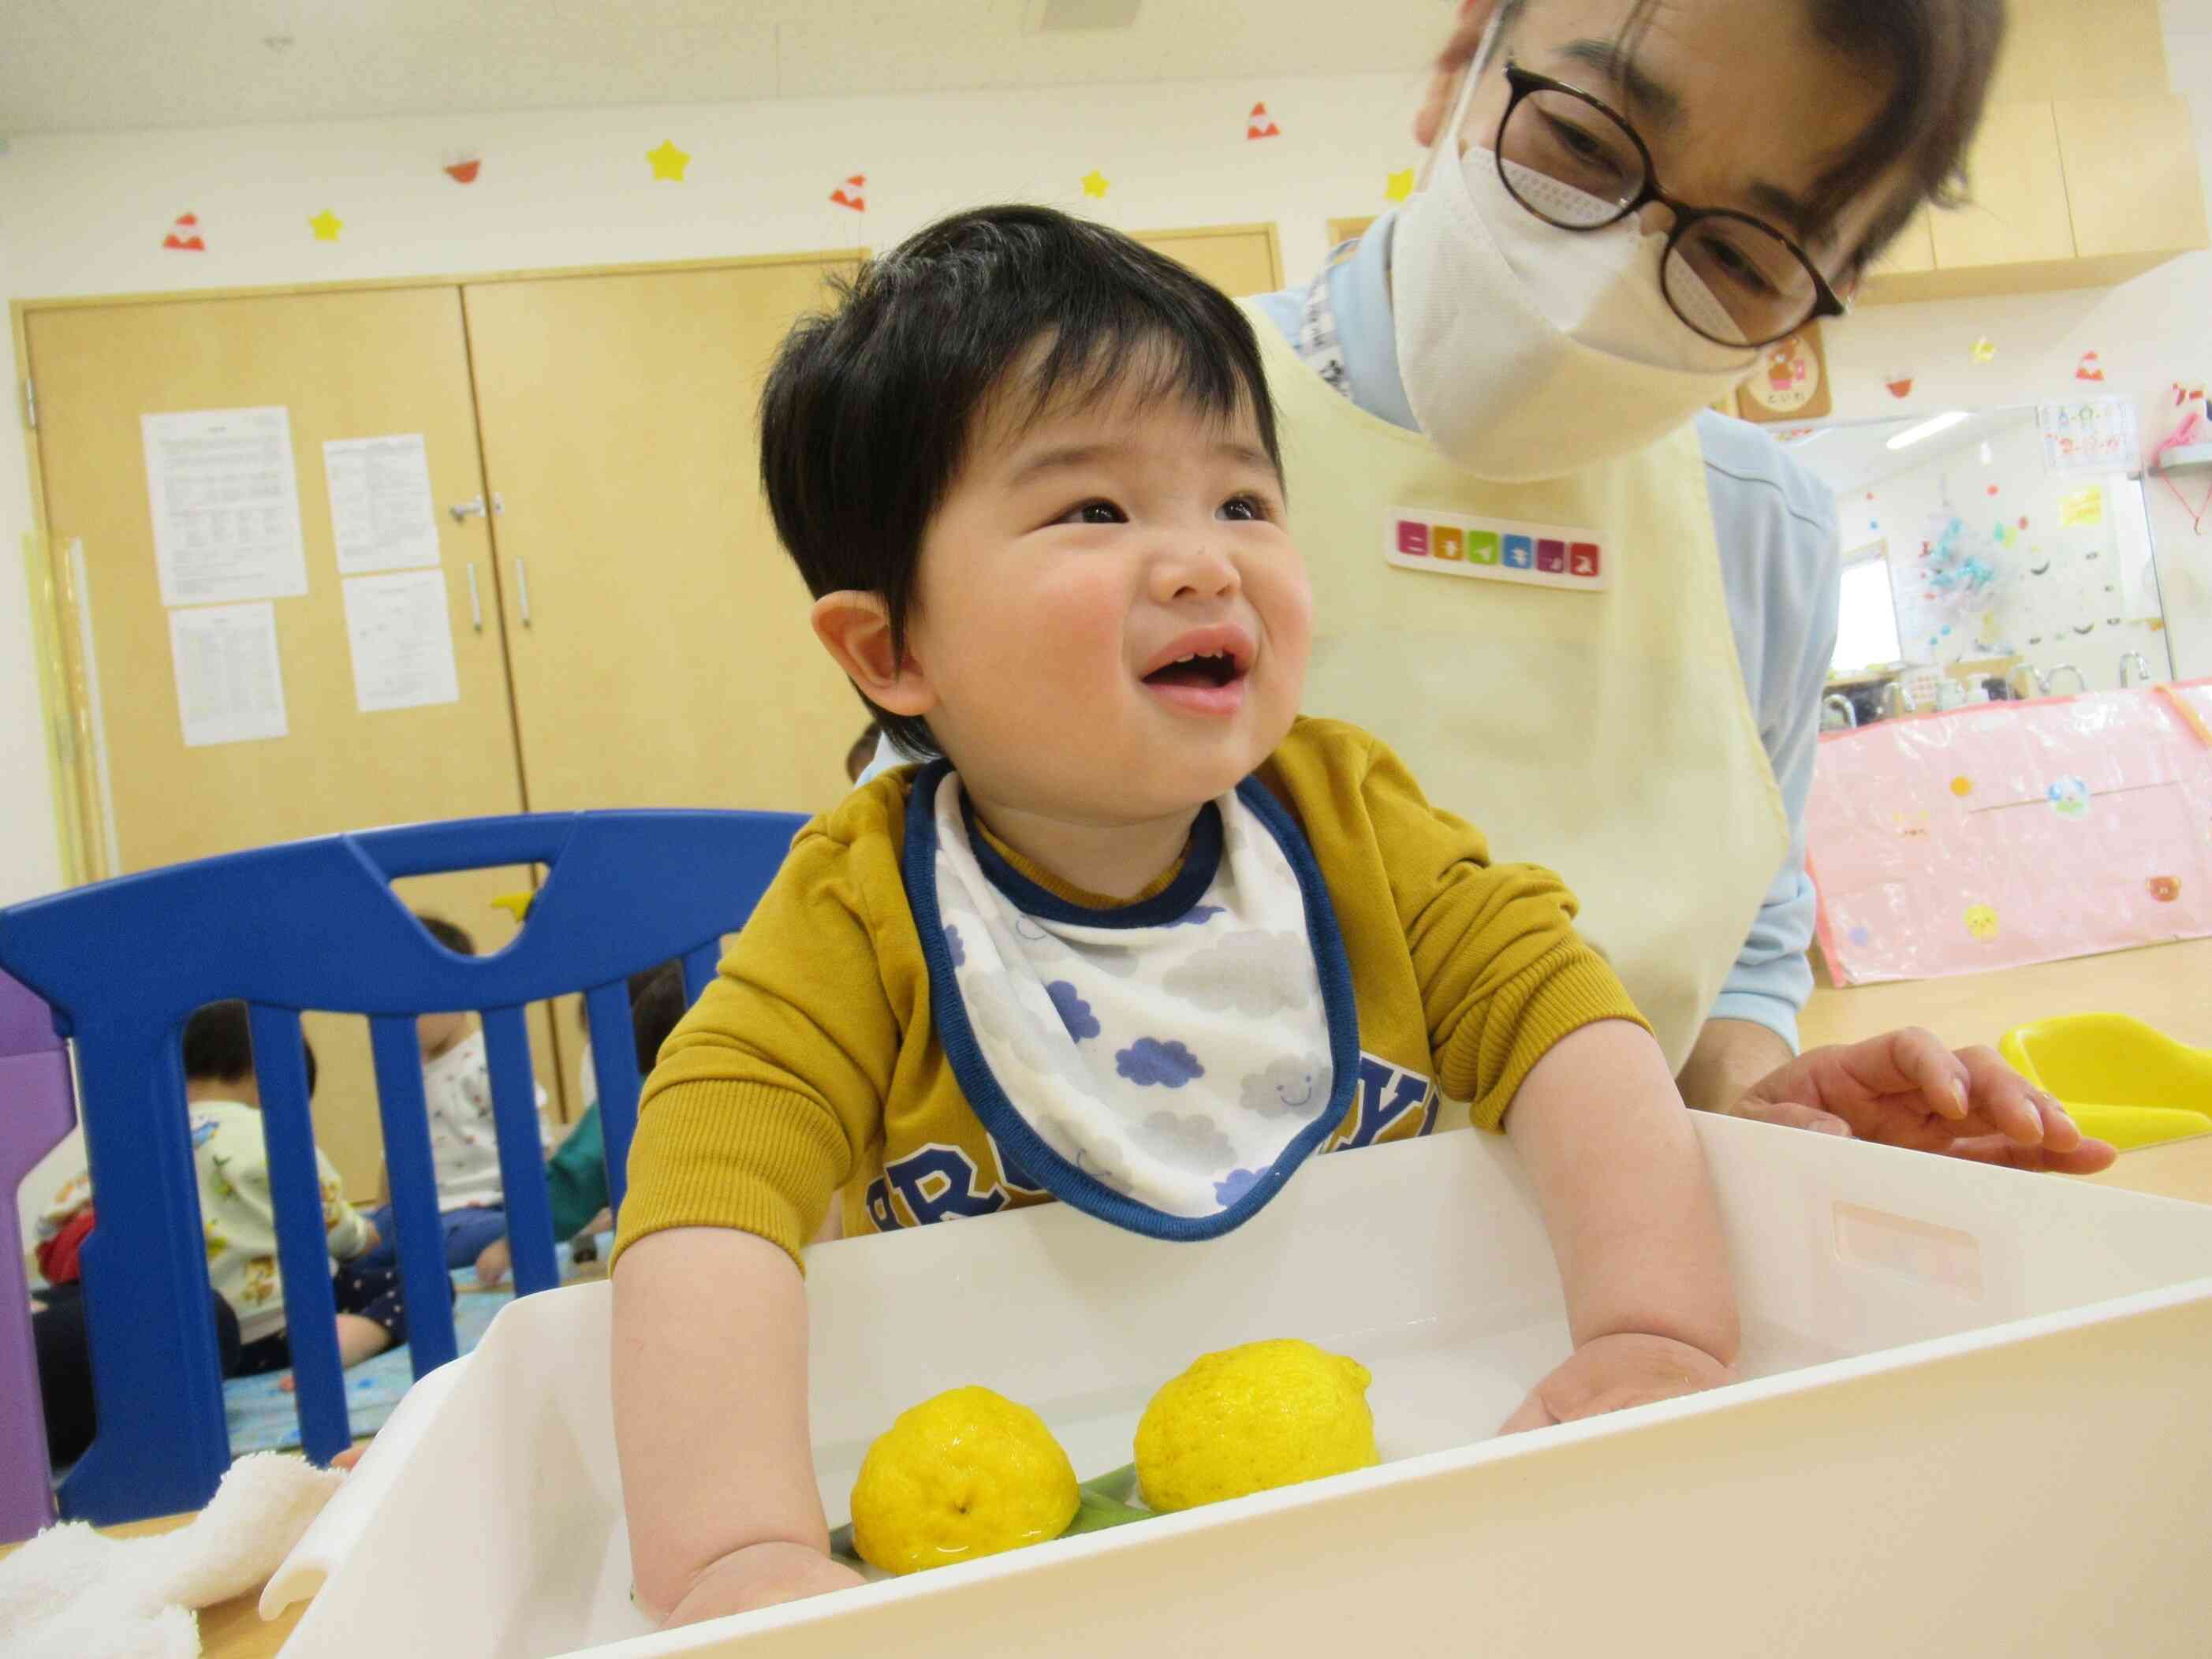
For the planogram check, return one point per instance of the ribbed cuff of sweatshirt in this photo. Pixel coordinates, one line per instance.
(1554, 997)
(742, 1156)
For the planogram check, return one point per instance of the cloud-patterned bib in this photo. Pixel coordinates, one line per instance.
(1164, 1066)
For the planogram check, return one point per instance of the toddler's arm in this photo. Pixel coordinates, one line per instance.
(1630, 1209)
(748, 1127)
(346, 1232)
(710, 1423)
(1529, 1025)
(349, 1231)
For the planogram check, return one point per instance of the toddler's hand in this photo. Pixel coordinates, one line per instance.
(1611, 1373)
(761, 1576)
(492, 1262)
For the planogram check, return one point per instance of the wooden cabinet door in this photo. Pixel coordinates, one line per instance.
(1914, 250)
(2018, 215)
(2131, 174)
(1238, 259)
(665, 658)
(2058, 49)
(344, 365)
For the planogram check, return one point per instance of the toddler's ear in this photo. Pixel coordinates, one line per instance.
(855, 629)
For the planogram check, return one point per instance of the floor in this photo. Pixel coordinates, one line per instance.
(262, 1416)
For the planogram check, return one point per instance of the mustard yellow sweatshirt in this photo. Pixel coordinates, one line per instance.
(812, 1067)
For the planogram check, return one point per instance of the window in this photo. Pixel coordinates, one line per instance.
(1866, 630)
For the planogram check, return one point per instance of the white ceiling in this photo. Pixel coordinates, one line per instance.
(92, 65)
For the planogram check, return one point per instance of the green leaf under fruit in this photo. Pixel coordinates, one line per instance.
(1104, 1503)
(1100, 1503)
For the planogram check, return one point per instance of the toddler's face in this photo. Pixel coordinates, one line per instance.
(438, 1032)
(1111, 611)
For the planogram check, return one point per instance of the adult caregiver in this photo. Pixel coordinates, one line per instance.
(1590, 614)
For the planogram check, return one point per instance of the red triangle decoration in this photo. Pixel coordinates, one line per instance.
(184, 235)
(1260, 124)
(853, 193)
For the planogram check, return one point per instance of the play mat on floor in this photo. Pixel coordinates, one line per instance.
(262, 1417)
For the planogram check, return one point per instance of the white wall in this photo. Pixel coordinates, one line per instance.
(86, 215)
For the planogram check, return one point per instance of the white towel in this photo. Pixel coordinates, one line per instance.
(69, 1591)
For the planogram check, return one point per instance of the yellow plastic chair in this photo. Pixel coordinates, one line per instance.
(2123, 1081)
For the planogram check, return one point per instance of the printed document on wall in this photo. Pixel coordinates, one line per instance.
(381, 514)
(226, 505)
(230, 681)
(403, 641)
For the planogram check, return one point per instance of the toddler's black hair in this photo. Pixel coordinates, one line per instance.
(869, 411)
(219, 1046)
(657, 1002)
(453, 938)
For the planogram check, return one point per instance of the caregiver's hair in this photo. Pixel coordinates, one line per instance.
(874, 405)
(1938, 56)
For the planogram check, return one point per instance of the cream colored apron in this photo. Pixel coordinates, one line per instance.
(1583, 704)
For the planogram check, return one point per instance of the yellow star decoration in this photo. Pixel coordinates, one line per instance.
(668, 162)
(1984, 349)
(1401, 186)
(1095, 183)
(326, 225)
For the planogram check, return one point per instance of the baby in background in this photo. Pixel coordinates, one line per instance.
(1136, 936)
(230, 1158)
(464, 1146)
(863, 751)
(576, 1174)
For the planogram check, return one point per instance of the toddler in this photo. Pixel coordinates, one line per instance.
(862, 751)
(230, 1157)
(464, 1144)
(1135, 936)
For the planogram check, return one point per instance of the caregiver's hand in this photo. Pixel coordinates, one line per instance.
(1906, 1089)
(1443, 80)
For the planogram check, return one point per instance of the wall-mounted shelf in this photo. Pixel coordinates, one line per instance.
(2188, 455)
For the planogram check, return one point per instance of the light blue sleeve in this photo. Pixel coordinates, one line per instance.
(1281, 309)
(1781, 564)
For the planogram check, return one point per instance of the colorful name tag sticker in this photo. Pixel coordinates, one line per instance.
(1497, 549)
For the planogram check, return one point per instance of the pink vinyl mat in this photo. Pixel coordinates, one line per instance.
(1997, 836)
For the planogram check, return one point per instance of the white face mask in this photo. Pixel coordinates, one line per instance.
(1528, 351)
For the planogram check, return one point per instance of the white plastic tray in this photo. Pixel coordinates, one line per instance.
(1976, 1421)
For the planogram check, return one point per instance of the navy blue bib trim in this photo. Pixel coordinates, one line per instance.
(1034, 1163)
(1171, 904)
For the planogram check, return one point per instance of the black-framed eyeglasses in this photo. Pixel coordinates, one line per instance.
(1576, 163)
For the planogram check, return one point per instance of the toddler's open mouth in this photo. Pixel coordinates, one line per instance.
(1203, 671)
(1215, 669)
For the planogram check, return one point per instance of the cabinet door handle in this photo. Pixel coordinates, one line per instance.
(475, 603)
(522, 590)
